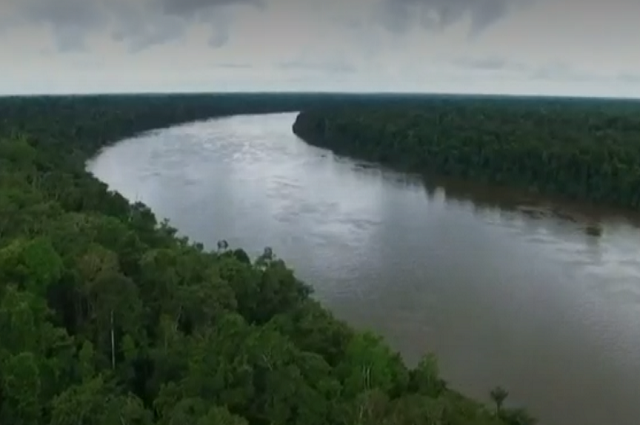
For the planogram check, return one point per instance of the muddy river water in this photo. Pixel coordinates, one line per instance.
(540, 297)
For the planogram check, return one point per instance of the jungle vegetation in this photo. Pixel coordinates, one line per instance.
(107, 317)
(581, 149)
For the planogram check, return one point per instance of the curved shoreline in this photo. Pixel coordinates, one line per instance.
(537, 151)
(120, 286)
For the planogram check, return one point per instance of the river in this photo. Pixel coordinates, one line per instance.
(503, 291)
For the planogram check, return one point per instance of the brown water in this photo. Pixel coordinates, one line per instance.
(503, 289)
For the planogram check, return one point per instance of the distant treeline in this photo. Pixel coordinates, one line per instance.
(108, 318)
(584, 149)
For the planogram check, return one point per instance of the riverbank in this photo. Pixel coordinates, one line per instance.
(580, 149)
(128, 323)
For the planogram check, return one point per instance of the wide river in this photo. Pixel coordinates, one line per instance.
(537, 296)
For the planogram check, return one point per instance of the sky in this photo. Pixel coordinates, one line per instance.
(540, 47)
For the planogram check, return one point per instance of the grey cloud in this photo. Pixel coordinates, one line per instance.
(563, 72)
(336, 65)
(219, 38)
(551, 72)
(436, 15)
(560, 71)
(629, 78)
(192, 7)
(65, 12)
(132, 26)
(231, 65)
(69, 19)
(491, 63)
(586, 77)
(138, 23)
(220, 30)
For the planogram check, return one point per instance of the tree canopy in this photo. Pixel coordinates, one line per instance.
(107, 317)
(583, 149)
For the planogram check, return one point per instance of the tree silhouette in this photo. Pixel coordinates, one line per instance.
(499, 395)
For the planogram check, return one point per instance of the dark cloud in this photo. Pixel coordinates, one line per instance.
(138, 23)
(68, 19)
(133, 26)
(145, 23)
(196, 7)
(437, 15)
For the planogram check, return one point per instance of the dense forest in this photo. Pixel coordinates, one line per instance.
(582, 149)
(108, 318)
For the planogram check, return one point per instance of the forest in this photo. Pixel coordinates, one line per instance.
(108, 317)
(580, 149)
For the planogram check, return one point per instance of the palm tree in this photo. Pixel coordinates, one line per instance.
(499, 395)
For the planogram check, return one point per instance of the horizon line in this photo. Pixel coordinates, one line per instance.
(317, 93)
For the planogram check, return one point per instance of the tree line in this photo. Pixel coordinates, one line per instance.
(107, 317)
(582, 149)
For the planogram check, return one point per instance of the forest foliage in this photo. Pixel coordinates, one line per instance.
(108, 318)
(582, 149)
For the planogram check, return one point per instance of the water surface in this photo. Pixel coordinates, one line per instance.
(504, 291)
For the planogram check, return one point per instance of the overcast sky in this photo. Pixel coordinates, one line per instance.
(574, 47)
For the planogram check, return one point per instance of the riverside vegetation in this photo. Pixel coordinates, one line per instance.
(108, 317)
(583, 149)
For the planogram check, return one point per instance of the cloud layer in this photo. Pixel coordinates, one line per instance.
(437, 15)
(532, 46)
(140, 23)
(146, 23)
